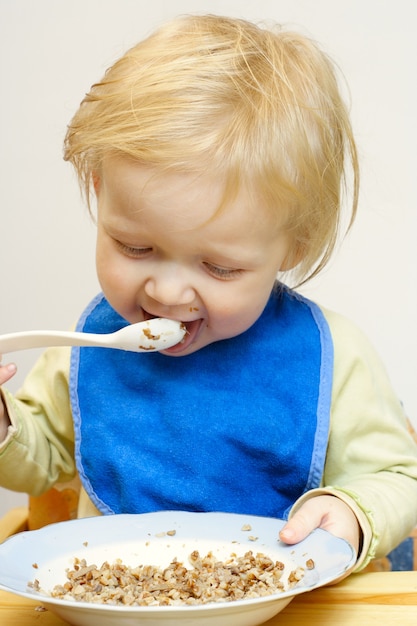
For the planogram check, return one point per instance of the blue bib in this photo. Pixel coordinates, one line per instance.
(239, 426)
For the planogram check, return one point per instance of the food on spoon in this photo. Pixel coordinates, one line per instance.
(159, 331)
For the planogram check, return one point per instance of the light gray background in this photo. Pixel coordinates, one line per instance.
(50, 53)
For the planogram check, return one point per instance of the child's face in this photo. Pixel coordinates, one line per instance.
(164, 251)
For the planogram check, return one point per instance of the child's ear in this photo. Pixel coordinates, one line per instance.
(96, 182)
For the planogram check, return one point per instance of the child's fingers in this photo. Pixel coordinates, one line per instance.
(7, 372)
(305, 520)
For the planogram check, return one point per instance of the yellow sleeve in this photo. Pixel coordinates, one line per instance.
(39, 448)
(371, 459)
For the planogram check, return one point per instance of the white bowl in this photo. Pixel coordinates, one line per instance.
(45, 555)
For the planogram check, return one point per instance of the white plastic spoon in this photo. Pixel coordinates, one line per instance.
(148, 336)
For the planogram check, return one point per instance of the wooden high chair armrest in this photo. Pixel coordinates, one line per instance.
(14, 521)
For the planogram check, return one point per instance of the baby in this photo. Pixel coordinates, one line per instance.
(217, 152)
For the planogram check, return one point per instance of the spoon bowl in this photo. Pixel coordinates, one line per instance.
(148, 336)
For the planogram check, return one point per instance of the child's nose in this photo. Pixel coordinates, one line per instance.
(170, 286)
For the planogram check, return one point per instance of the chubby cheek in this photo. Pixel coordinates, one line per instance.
(243, 307)
(231, 320)
(105, 269)
(115, 283)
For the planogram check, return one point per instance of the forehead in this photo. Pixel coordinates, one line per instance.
(136, 191)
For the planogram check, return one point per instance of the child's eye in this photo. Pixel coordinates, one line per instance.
(223, 273)
(131, 251)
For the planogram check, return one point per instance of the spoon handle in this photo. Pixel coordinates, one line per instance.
(13, 342)
(150, 335)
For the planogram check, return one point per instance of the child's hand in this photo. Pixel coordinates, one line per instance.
(327, 512)
(6, 373)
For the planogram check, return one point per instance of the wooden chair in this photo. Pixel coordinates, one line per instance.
(59, 504)
(14, 521)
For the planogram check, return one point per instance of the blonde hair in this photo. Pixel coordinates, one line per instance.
(259, 106)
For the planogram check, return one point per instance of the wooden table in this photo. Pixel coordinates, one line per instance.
(382, 598)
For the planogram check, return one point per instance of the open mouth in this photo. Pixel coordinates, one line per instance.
(192, 331)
